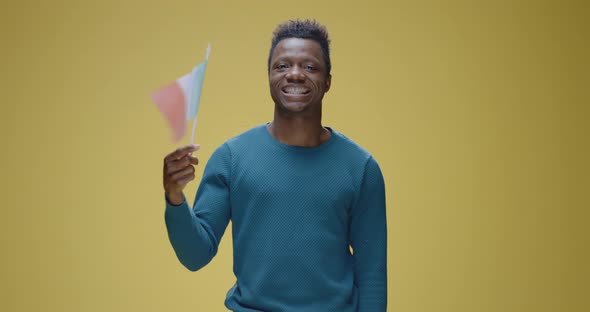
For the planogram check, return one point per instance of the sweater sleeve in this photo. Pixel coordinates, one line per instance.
(195, 233)
(368, 238)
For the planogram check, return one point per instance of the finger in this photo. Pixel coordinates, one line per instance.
(193, 159)
(182, 151)
(176, 165)
(180, 174)
(186, 179)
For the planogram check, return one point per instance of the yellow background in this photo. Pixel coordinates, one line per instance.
(476, 111)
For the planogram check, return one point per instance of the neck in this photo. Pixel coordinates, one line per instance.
(305, 131)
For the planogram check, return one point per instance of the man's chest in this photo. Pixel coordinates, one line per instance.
(318, 193)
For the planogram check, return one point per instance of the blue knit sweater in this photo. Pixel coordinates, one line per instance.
(295, 212)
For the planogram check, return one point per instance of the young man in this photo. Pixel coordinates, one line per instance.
(299, 196)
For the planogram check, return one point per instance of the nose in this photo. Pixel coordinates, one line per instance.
(295, 74)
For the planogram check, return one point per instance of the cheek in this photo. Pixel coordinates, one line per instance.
(273, 85)
(274, 81)
(320, 87)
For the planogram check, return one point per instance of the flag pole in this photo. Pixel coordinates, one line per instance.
(195, 119)
(194, 127)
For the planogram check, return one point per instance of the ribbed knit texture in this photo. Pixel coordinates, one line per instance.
(295, 211)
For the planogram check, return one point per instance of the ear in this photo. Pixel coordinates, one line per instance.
(328, 83)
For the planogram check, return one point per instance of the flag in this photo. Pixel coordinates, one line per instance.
(179, 101)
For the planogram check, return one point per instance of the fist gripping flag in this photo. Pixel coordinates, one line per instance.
(179, 101)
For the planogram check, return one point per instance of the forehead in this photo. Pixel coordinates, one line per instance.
(297, 47)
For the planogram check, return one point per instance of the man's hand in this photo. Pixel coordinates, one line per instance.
(178, 172)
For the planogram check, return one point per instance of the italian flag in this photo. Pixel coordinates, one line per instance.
(179, 101)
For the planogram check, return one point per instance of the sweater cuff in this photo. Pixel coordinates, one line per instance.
(181, 211)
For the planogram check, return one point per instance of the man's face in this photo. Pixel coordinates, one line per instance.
(298, 77)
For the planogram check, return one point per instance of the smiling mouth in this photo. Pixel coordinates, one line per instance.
(295, 90)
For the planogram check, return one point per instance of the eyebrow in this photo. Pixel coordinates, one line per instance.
(306, 59)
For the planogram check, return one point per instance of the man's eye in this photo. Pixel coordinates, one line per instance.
(282, 66)
(309, 67)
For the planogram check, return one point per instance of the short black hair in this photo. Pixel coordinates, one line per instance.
(303, 29)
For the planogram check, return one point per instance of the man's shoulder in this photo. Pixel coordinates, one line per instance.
(246, 137)
(360, 160)
(243, 140)
(350, 148)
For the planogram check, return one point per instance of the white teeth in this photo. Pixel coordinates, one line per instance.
(295, 90)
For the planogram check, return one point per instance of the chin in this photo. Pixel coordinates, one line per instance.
(295, 107)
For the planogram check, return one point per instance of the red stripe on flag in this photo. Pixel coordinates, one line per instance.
(172, 103)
